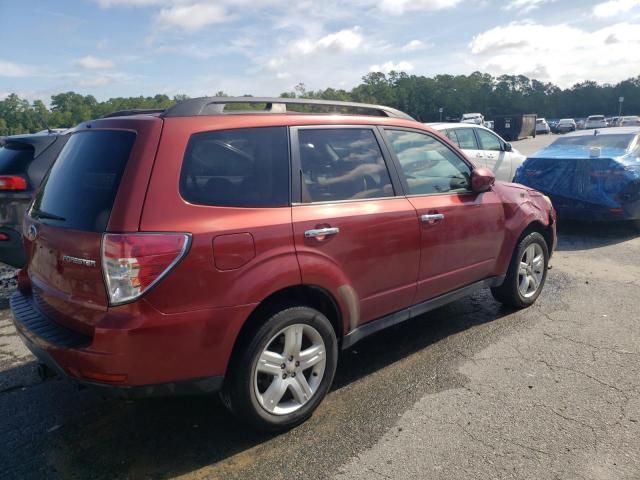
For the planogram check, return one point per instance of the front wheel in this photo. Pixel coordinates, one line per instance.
(527, 273)
(284, 371)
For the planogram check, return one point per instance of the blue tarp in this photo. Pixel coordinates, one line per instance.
(585, 188)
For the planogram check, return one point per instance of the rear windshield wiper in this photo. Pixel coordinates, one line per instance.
(46, 215)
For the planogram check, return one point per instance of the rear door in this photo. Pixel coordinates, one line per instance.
(350, 227)
(468, 143)
(73, 209)
(461, 231)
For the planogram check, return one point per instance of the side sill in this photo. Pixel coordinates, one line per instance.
(375, 326)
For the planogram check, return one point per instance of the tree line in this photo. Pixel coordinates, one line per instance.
(421, 97)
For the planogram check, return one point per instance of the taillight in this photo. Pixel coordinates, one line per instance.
(134, 262)
(12, 182)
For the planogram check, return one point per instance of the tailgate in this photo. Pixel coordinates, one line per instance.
(73, 209)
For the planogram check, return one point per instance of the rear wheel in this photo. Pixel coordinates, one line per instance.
(527, 273)
(284, 371)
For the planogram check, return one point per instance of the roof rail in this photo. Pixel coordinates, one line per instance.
(216, 106)
(133, 111)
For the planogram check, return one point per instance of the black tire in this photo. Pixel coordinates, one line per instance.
(509, 292)
(239, 393)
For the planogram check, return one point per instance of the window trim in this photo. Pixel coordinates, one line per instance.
(296, 164)
(398, 167)
(289, 165)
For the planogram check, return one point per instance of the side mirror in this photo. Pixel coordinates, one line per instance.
(482, 179)
(508, 147)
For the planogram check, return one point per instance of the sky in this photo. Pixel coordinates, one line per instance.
(111, 48)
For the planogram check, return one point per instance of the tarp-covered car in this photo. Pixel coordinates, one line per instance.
(589, 175)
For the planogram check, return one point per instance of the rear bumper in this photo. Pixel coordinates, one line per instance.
(138, 352)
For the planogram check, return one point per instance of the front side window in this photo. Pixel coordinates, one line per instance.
(247, 167)
(428, 165)
(488, 140)
(342, 164)
(466, 139)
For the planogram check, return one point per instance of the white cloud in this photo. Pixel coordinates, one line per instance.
(10, 69)
(561, 53)
(190, 18)
(613, 8)
(525, 6)
(414, 45)
(347, 40)
(95, 63)
(399, 7)
(392, 67)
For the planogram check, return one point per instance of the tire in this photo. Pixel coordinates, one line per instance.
(515, 291)
(276, 393)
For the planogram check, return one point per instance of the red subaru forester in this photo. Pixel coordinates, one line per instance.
(213, 248)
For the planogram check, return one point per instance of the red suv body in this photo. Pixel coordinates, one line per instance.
(161, 244)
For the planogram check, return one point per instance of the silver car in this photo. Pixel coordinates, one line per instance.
(484, 148)
(595, 121)
(566, 125)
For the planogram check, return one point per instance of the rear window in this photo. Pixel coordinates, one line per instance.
(14, 159)
(80, 189)
(246, 167)
(619, 141)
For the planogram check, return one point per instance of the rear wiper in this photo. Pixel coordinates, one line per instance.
(46, 215)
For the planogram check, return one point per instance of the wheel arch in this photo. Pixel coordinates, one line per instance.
(308, 295)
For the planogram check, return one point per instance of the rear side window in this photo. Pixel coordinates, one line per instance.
(466, 139)
(14, 159)
(488, 140)
(81, 187)
(246, 167)
(342, 164)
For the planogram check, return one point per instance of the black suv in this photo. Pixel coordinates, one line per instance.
(24, 161)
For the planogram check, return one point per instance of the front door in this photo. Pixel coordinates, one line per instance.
(352, 233)
(461, 231)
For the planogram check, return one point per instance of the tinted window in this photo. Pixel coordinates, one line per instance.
(83, 182)
(488, 140)
(247, 167)
(466, 138)
(428, 165)
(14, 159)
(342, 164)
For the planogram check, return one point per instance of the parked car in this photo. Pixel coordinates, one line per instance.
(484, 148)
(632, 121)
(474, 118)
(553, 124)
(595, 121)
(589, 176)
(24, 161)
(542, 126)
(237, 252)
(566, 125)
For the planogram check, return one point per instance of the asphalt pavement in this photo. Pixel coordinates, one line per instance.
(470, 391)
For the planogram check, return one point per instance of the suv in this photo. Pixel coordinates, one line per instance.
(216, 249)
(24, 161)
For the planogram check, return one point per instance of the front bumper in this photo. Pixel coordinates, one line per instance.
(160, 355)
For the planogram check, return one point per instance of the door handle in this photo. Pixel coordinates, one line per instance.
(432, 217)
(321, 232)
